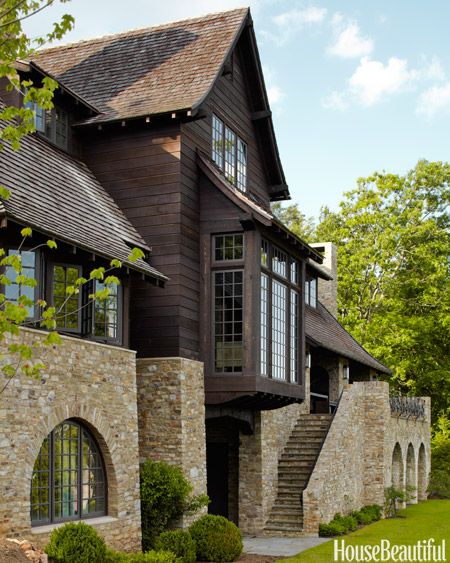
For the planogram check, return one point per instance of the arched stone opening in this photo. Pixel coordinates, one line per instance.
(320, 390)
(397, 468)
(411, 475)
(422, 480)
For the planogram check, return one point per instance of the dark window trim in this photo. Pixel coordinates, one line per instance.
(108, 340)
(51, 273)
(290, 285)
(52, 519)
(226, 269)
(38, 270)
(236, 160)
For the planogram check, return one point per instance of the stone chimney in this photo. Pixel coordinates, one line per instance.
(327, 289)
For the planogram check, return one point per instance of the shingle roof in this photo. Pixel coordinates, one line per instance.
(147, 71)
(325, 330)
(59, 196)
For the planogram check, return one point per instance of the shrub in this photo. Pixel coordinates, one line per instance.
(374, 510)
(349, 523)
(166, 495)
(149, 557)
(334, 528)
(217, 539)
(76, 543)
(395, 496)
(179, 542)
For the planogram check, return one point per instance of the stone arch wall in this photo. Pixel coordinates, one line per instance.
(411, 472)
(422, 474)
(397, 468)
(95, 384)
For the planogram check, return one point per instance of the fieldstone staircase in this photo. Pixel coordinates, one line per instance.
(294, 469)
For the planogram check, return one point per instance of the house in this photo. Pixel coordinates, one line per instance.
(221, 351)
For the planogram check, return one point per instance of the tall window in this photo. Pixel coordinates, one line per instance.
(229, 152)
(228, 320)
(68, 480)
(280, 314)
(107, 314)
(229, 247)
(68, 307)
(53, 124)
(311, 291)
(14, 291)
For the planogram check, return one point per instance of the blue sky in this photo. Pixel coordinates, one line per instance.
(354, 86)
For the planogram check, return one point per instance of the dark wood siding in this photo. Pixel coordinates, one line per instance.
(141, 170)
(230, 101)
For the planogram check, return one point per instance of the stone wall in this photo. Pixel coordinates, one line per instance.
(355, 464)
(95, 384)
(327, 289)
(171, 414)
(258, 464)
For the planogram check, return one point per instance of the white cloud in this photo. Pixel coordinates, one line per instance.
(433, 101)
(336, 100)
(348, 42)
(299, 18)
(433, 70)
(288, 23)
(373, 81)
(275, 94)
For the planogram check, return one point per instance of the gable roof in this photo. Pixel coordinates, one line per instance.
(326, 331)
(59, 196)
(148, 71)
(167, 69)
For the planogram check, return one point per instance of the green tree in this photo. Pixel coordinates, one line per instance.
(295, 220)
(392, 234)
(15, 46)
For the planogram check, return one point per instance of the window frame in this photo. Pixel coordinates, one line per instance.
(225, 266)
(79, 467)
(307, 290)
(37, 269)
(91, 324)
(290, 285)
(238, 165)
(51, 279)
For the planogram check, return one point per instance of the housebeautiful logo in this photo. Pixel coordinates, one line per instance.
(423, 550)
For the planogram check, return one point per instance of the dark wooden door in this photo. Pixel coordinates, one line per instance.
(217, 475)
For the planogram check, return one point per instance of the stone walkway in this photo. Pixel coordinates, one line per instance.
(280, 546)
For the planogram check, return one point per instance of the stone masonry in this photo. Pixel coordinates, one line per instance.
(95, 384)
(355, 465)
(171, 412)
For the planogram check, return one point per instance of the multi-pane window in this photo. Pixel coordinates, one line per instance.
(311, 291)
(228, 320)
(53, 124)
(279, 262)
(68, 307)
(217, 141)
(68, 480)
(230, 155)
(229, 152)
(264, 322)
(294, 324)
(279, 330)
(280, 314)
(229, 247)
(106, 313)
(14, 291)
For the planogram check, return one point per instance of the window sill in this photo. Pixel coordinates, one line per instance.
(91, 521)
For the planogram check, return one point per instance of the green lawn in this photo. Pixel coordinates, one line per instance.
(430, 519)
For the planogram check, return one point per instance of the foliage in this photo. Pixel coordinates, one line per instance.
(342, 524)
(15, 46)
(179, 542)
(76, 543)
(439, 485)
(394, 497)
(424, 520)
(295, 220)
(392, 234)
(166, 495)
(217, 539)
(148, 557)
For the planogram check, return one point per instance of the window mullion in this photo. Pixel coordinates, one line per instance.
(80, 467)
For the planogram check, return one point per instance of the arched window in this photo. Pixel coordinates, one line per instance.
(68, 481)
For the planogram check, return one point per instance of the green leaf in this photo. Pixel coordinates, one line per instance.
(52, 244)
(26, 232)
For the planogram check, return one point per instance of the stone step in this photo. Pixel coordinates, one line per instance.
(315, 417)
(288, 514)
(295, 465)
(282, 505)
(284, 527)
(285, 520)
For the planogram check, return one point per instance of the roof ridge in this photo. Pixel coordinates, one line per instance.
(157, 27)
